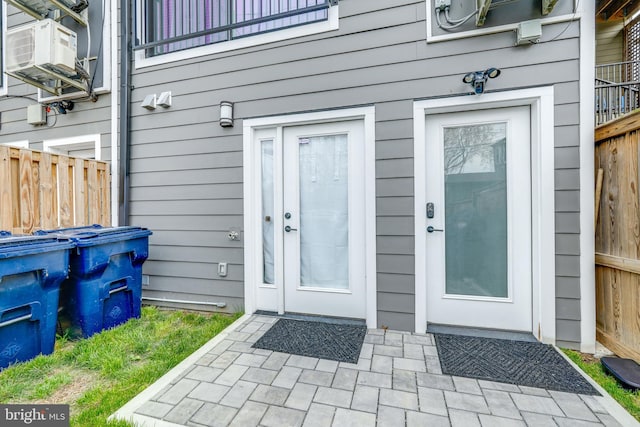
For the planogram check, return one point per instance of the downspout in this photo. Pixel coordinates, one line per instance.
(125, 116)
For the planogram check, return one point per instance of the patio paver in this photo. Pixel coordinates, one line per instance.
(396, 382)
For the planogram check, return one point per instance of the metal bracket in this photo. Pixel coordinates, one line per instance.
(82, 20)
(60, 78)
(547, 6)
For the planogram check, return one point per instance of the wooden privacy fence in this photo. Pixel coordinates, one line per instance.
(618, 236)
(45, 191)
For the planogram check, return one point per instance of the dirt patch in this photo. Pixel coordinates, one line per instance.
(82, 381)
(589, 358)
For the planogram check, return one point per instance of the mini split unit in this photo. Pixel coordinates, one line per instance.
(39, 48)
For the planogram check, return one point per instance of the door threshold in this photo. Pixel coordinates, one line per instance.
(480, 332)
(313, 318)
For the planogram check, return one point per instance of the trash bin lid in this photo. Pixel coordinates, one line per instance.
(14, 246)
(96, 234)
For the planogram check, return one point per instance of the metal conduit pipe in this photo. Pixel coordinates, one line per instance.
(125, 114)
(179, 301)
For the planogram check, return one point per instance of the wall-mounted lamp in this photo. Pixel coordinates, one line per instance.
(226, 114)
(478, 79)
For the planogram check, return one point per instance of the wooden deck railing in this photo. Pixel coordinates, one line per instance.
(45, 191)
(618, 236)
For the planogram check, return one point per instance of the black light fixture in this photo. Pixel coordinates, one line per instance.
(477, 79)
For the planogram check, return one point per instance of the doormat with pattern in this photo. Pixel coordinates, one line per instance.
(530, 364)
(315, 339)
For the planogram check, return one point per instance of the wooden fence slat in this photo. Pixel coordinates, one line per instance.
(79, 192)
(93, 186)
(27, 193)
(48, 220)
(6, 199)
(65, 196)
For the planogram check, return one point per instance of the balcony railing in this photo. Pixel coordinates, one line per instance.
(617, 90)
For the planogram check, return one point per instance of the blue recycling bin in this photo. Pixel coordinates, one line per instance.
(104, 288)
(31, 271)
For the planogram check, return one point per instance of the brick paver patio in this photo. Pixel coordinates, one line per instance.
(396, 382)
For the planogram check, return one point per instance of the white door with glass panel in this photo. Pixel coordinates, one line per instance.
(478, 212)
(312, 217)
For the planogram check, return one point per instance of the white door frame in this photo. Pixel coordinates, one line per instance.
(252, 237)
(540, 101)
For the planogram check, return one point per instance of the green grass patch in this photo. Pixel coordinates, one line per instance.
(628, 399)
(96, 376)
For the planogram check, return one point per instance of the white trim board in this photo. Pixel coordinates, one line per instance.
(251, 235)
(259, 39)
(94, 140)
(587, 185)
(542, 201)
(3, 79)
(18, 144)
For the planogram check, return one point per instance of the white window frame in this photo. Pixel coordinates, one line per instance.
(541, 101)
(17, 144)
(58, 146)
(3, 80)
(578, 8)
(259, 39)
(110, 9)
(253, 239)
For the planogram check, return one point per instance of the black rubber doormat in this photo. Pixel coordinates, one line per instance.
(315, 339)
(530, 364)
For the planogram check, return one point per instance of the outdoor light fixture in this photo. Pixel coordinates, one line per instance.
(477, 79)
(226, 114)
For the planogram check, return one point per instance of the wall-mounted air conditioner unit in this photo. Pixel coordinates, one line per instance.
(41, 51)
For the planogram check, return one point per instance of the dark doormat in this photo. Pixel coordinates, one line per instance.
(315, 339)
(514, 362)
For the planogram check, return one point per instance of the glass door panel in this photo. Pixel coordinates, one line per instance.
(268, 267)
(324, 211)
(476, 210)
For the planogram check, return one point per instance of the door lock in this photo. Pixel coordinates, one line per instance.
(430, 210)
(430, 229)
(287, 215)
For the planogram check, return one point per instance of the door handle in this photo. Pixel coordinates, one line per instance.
(430, 229)
(289, 229)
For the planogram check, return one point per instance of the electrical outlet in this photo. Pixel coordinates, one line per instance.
(222, 269)
(145, 280)
(441, 5)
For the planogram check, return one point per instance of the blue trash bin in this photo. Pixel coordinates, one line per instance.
(31, 271)
(104, 288)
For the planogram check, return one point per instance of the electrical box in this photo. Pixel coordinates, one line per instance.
(222, 269)
(440, 5)
(528, 32)
(36, 115)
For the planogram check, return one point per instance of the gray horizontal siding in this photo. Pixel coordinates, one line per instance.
(377, 57)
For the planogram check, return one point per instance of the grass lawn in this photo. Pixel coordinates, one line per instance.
(98, 375)
(630, 400)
